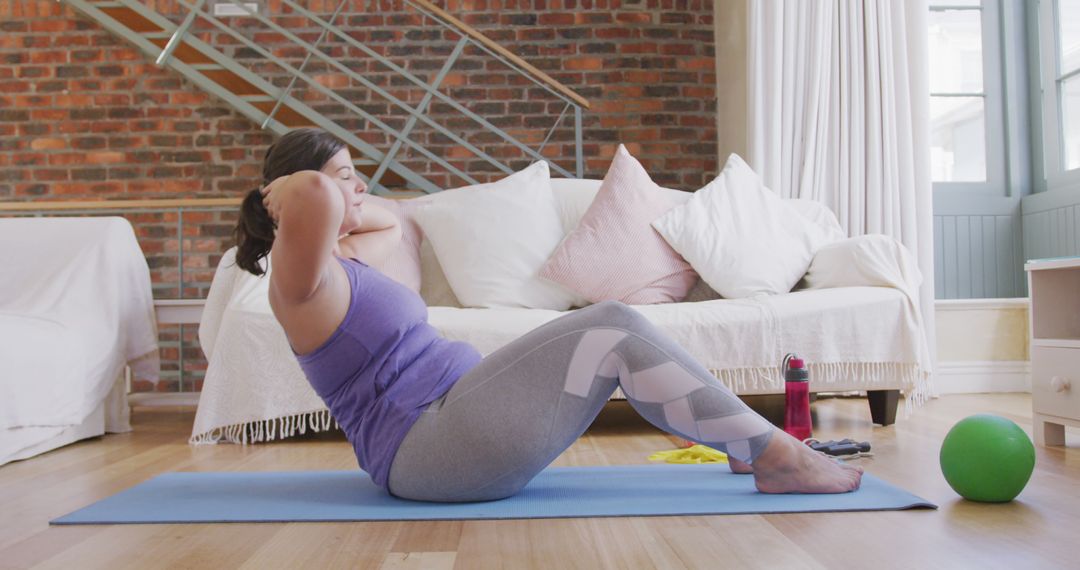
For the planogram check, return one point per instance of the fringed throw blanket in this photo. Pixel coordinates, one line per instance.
(862, 337)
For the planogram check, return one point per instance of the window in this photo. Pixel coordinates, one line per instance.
(965, 96)
(1059, 50)
(957, 100)
(1067, 80)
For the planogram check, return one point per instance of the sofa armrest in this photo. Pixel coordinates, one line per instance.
(872, 260)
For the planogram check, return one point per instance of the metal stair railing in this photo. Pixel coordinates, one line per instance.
(253, 105)
(573, 100)
(322, 121)
(416, 113)
(245, 104)
(432, 12)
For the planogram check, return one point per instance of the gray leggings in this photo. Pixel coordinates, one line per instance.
(524, 404)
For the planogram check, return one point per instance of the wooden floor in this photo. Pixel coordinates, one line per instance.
(1038, 530)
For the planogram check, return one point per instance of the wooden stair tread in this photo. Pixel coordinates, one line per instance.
(132, 19)
(284, 114)
(389, 178)
(183, 52)
(231, 81)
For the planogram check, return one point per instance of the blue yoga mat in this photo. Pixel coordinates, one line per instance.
(640, 490)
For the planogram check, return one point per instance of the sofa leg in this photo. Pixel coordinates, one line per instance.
(883, 405)
(768, 406)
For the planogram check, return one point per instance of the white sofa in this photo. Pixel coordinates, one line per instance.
(855, 321)
(76, 308)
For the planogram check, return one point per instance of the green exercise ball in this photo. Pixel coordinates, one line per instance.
(987, 458)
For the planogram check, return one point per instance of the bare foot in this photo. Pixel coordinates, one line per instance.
(789, 466)
(739, 466)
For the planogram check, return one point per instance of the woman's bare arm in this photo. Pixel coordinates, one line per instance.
(308, 209)
(379, 233)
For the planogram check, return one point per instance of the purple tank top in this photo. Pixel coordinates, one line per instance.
(382, 367)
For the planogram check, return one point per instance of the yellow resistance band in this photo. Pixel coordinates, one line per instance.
(693, 454)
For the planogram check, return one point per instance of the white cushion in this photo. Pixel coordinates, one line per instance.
(741, 237)
(490, 240)
(821, 216)
(434, 288)
(871, 260)
(573, 196)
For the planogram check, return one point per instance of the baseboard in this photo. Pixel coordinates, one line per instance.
(983, 377)
(164, 399)
(1021, 303)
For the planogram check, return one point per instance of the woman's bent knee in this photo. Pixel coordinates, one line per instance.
(609, 309)
(616, 313)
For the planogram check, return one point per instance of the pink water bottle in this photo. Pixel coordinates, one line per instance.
(796, 397)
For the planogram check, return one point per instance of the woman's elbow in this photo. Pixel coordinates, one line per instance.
(311, 183)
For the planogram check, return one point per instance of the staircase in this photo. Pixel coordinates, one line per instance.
(279, 95)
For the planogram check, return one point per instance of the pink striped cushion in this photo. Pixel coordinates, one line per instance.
(614, 253)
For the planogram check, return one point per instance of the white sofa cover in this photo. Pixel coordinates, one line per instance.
(867, 336)
(75, 308)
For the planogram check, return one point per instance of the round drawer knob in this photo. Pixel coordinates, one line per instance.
(1060, 383)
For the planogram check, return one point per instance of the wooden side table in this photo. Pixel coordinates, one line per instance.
(1054, 287)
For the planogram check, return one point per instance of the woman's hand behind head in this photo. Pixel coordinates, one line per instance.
(272, 200)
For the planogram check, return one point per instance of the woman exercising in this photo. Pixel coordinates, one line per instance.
(432, 420)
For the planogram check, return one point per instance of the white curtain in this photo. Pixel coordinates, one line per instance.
(839, 113)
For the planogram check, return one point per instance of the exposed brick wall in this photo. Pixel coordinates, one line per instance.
(85, 116)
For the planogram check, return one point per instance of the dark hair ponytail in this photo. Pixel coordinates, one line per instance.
(254, 233)
(297, 150)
